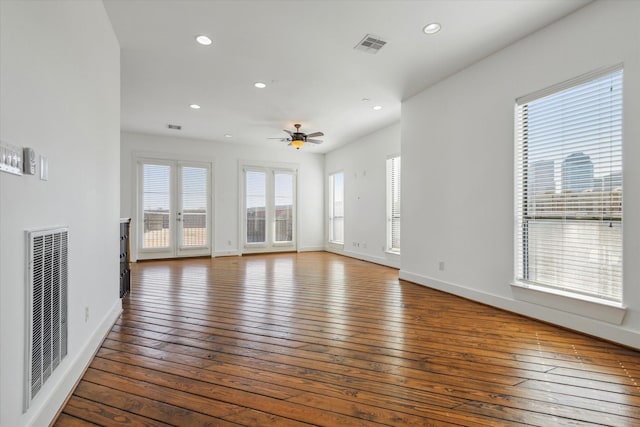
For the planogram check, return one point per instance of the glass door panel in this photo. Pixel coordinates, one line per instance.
(283, 204)
(256, 207)
(193, 215)
(156, 205)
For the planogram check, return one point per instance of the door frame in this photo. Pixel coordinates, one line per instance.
(136, 231)
(268, 168)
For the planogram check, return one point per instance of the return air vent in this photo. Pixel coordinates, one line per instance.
(370, 44)
(47, 279)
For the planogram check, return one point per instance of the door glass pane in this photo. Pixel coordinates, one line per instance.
(284, 207)
(256, 206)
(194, 206)
(156, 202)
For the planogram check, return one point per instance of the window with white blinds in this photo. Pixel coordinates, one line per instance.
(393, 204)
(569, 187)
(336, 208)
(156, 205)
(194, 203)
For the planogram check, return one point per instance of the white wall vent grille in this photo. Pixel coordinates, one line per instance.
(370, 44)
(47, 277)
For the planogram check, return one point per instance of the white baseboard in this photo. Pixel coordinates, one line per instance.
(49, 408)
(311, 249)
(364, 257)
(226, 253)
(604, 330)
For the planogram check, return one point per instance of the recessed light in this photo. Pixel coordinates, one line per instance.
(377, 107)
(204, 40)
(228, 135)
(431, 28)
(194, 106)
(260, 85)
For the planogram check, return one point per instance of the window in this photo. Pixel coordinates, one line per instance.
(569, 188)
(336, 208)
(393, 204)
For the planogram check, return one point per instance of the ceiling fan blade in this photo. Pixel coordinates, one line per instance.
(315, 141)
(277, 138)
(312, 135)
(288, 131)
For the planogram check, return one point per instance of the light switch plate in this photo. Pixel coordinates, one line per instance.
(10, 158)
(44, 168)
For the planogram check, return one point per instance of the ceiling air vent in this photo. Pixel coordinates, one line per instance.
(176, 127)
(370, 44)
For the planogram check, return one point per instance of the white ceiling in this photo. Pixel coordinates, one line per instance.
(303, 51)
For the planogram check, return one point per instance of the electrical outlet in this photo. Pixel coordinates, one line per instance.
(86, 314)
(228, 242)
(441, 266)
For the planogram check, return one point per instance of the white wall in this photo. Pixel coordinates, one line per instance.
(226, 157)
(60, 86)
(458, 155)
(364, 164)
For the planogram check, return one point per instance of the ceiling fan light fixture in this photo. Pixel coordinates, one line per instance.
(297, 143)
(260, 85)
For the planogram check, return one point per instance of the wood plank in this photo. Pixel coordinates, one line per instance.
(101, 414)
(66, 420)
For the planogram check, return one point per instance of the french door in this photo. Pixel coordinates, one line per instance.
(174, 205)
(269, 223)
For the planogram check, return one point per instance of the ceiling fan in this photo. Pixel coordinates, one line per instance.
(297, 138)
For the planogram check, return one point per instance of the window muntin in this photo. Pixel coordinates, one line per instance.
(569, 187)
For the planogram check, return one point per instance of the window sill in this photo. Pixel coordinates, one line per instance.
(593, 308)
(390, 252)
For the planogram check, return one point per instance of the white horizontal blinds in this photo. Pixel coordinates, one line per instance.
(283, 195)
(156, 203)
(256, 206)
(194, 197)
(336, 214)
(569, 187)
(394, 181)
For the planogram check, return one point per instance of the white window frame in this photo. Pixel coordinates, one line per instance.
(332, 215)
(561, 296)
(393, 208)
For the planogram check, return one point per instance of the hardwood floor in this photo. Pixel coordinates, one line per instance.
(320, 339)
